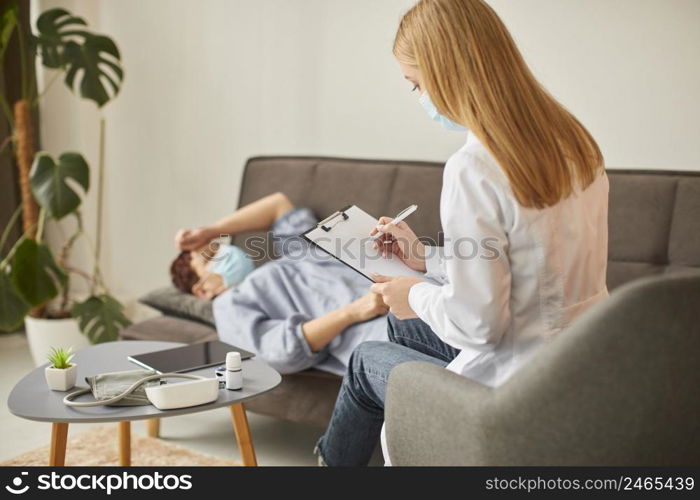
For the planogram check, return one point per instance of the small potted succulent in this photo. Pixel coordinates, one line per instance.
(61, 372)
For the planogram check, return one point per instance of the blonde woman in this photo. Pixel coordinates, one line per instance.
(524, 213)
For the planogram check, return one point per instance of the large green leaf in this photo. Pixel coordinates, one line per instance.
(93, 59)
(89, 57)
(48, 181)
(100, 318)
(8, 22)
(56, 27)
(34, 273)
(13, 308)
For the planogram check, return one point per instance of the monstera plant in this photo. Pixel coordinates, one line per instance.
(51, 189)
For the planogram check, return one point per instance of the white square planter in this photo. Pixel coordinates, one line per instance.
(61, 380)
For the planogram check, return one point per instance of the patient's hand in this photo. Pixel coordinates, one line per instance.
(193, 239)
(367, 307)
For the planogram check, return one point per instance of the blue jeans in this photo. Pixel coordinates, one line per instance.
(358, 415)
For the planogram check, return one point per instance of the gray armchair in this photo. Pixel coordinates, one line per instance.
(621, 386)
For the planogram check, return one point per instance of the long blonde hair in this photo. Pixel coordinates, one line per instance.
(476, 76)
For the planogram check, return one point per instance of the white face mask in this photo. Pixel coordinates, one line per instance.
(433, 113)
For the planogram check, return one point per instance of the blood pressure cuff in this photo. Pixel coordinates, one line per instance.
(108, 385)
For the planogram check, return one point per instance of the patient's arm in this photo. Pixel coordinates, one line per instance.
(257, 216)
(321, 331)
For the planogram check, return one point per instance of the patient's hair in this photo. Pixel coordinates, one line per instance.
(182, 274)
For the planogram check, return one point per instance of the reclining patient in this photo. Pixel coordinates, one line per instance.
(302, 310)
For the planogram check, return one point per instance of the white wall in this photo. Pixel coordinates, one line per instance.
(211, 83)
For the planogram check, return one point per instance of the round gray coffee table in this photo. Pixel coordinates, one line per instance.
(32, 399)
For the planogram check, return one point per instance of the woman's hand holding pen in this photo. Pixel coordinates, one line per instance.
(400, 240)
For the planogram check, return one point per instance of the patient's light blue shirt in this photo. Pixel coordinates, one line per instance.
(264, 314)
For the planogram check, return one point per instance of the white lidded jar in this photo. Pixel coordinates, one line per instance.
(234, 372)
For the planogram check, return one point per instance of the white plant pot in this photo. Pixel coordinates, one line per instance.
(61, 379)
(43, 334)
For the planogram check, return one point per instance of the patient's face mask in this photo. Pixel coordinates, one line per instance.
(233, 264)
(433, 113)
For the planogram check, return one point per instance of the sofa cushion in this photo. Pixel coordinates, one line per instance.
(684, 246)
(172, 302)
(641, 211)
(654, 224)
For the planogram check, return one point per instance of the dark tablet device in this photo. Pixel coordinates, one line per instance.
(188, 358)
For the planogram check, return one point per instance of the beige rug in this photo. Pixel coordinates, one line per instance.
(99, 446)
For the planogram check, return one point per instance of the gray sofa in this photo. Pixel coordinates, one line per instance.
(654, 229)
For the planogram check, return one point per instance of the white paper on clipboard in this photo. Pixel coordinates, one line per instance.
(345, 236)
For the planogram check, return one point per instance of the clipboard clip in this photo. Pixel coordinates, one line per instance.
(324, 223)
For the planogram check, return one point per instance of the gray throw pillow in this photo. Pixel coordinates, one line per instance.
(172, 302)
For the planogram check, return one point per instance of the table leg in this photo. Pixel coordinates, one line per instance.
(125, 443)
(59, 436)
(245, 442)
(153, 427)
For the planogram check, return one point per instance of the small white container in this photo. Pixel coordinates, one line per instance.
(234, 371)
(61, 379)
